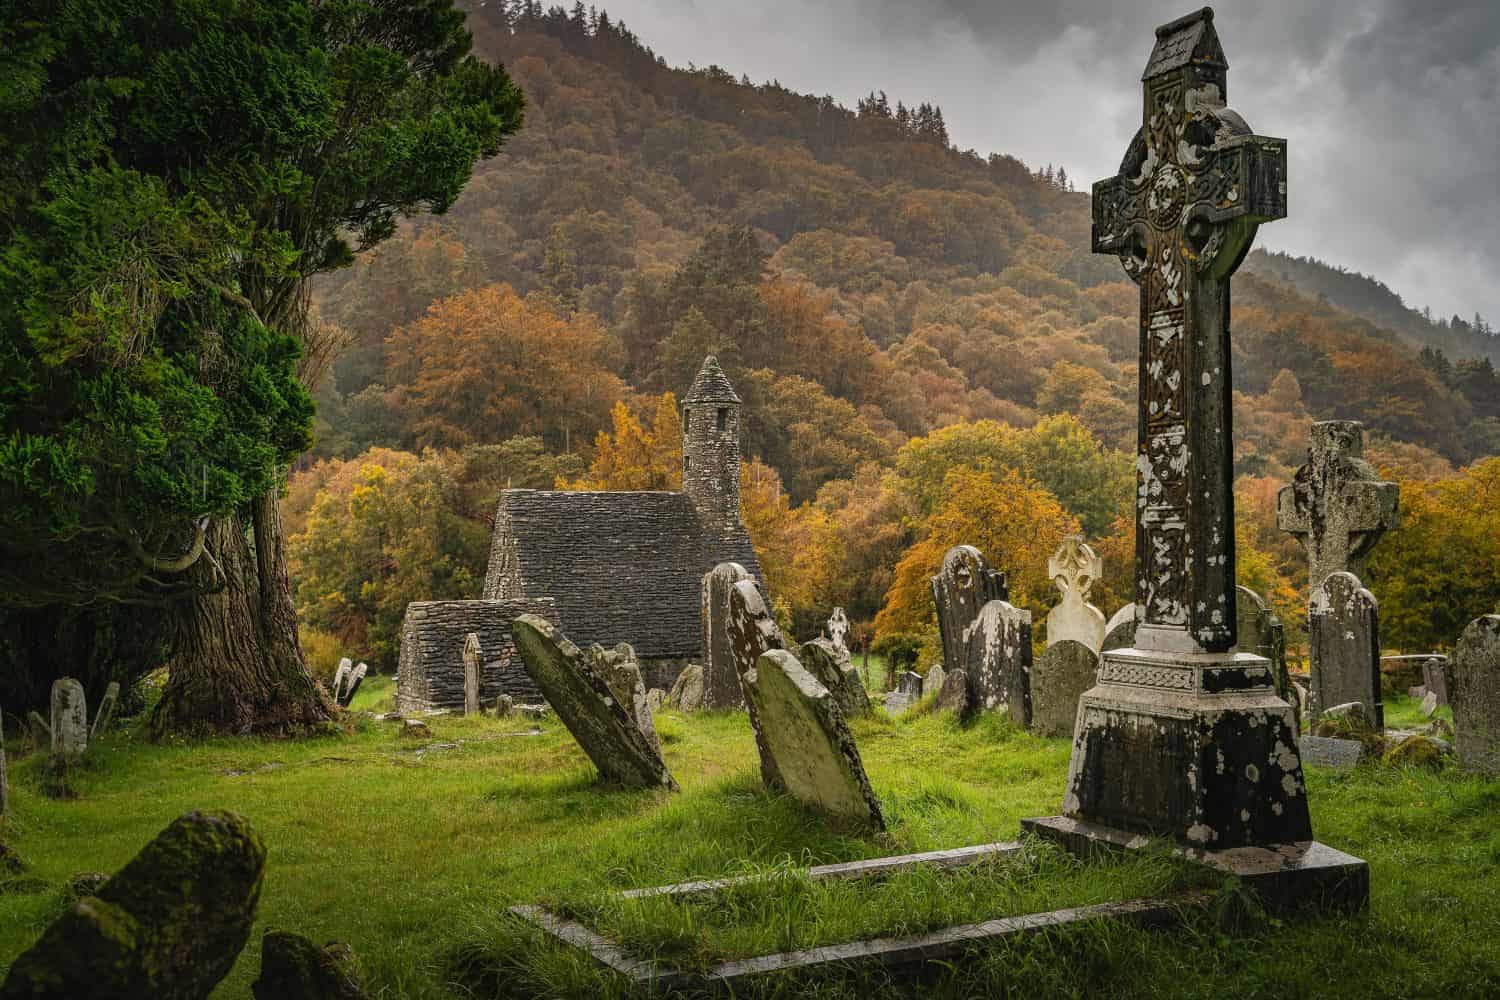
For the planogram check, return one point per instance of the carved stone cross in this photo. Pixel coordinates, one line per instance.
(1336, 505)
(1074, 567)
(1181, 214)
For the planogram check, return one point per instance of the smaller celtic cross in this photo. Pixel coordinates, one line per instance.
(1336, 505)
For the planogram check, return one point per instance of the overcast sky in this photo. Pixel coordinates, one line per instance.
(1391, 107)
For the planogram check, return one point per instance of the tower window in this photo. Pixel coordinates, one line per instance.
(687, 418)
(687, 462)
(723, 418)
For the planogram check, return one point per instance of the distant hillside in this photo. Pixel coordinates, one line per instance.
(860, 278)
(1370, 299)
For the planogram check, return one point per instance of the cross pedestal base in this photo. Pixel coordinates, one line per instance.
(1307, 875)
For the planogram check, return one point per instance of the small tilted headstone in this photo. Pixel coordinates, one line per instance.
(688, 689)
(341, 679)
(1429, 704)
(70, 718)
(821, 659)
(504, 706)
(169, 925)
(622, 672)
(106, 710)
(1119, 631)
(1476, 696)
(356, 678)
(473, 665)
(808, 738)
(721, 675)
(932, 681)
(585, 703)
(752, 632)
(1344, 642)
(1435, 678)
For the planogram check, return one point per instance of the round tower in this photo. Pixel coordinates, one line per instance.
(711, 446)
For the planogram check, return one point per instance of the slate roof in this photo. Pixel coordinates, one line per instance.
(621, 566)
(711, 385)
(1191, 38)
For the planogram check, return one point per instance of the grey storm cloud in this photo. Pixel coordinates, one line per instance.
(1391, 108)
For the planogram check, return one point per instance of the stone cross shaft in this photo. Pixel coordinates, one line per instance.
(1181, 214)
(1336, 505)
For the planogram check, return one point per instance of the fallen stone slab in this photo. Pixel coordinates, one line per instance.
(582, 699)
(807, 737)
(167, 926)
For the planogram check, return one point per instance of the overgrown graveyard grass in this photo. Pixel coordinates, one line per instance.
(412, 851)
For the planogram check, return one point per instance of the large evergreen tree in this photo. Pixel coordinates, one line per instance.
(176, 172)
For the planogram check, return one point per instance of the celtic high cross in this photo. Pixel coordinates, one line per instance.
(1180, 214)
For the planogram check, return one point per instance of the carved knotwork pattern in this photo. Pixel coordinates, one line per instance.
(1146, 675)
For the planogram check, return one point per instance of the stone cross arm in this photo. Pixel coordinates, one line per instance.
(1360, 505)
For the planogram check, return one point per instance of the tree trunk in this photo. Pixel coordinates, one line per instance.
(236, 664)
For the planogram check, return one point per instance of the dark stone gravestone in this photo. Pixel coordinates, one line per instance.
(1476, 696)
(70, 718)
(1119, 631)
(909, 683)
(1336, 505)
(963, 586)
(808, 738)
(1183, 737)
(999, 665)
(1060, 676)
(753, 632)
(351, 687)
(953, 695)
(586, 704)
(1435, 678)
(721, 676)
(1344, 646)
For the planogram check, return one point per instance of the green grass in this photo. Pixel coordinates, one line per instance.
(412, 856)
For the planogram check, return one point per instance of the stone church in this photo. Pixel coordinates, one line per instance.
(627, 566)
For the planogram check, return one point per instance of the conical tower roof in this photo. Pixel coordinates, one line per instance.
(711, 385)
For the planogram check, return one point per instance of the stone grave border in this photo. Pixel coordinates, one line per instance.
(940, 944)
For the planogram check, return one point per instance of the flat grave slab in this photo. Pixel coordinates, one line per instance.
(1286, 877)
(1326, 751)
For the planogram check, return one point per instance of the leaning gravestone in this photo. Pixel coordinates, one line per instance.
(1073, 568)
(752, 632)
(585, 703)
(821, 659)
(351, 687)
(721, 676)
(808, 739)
(1476, 696)
(1344, 646)
(473, 665)
(292, 967)
(105, 711)
(1060, 676)
(1330, 752)
(909, 683)
(169, 925)
(1336, 505)
(963, 586)
(932, 681)
(341, 679)
(622, 672)
(687, 690)
(1119, 631)
(70, 718)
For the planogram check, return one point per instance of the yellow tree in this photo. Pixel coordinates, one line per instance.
(1015, 522)
(632, 456)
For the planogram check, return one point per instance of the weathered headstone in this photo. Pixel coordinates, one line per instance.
(1476, 696)
(1435, 678)
(70, 718)
(1060, 676)
(1182, 736)
(909, 683)
(1073, 568)
(1429, 703)
(351, 685)
(1119, 631)
(341, 679)
(585, 703)
(1344, 645)
(105, 711)
(687, 691)
(655, 699)
(473, 664)
(932, 681)
(1260, 631)
(953, 696)
(505, 705)
(721, 675)
(622, 672)
(999, 665)
(169, 925)
(821, 659)
(838, 632)
(1331, 752)
(963, 586)
(752, 632)
(1336, 505)
(808, 739)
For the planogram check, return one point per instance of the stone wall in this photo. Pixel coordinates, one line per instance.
(431, 672)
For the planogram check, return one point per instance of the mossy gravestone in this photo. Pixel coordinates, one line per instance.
(294, 968)
(622, 672)
(167, 926)
(1344, 642)
(721, 678)
(806, 734)
(1059, 678)
(584, 701)
(837, 674)
(752, 632)
(1476, 696)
